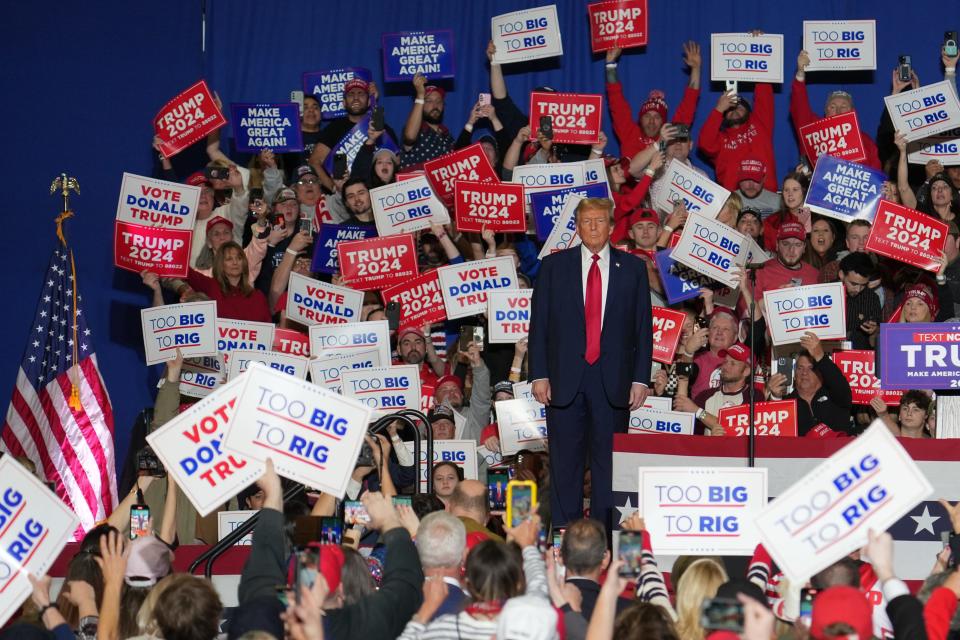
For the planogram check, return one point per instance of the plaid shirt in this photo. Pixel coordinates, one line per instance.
(430, 144)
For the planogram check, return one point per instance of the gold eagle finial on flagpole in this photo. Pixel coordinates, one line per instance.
(64, 184)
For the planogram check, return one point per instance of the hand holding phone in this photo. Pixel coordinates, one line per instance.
(630, 553)
(904, 68)
(354, 513)
(521, 501)
(139, 517)
(546, 127)
(483, 99)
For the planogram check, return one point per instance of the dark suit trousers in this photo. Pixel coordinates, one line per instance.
(585, 425)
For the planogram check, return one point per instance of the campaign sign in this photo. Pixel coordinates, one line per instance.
(233, 335)
(165, 252)
(576, 117)
(564, 233)
(420, 298)
(698, 193)
(774, 418)
(869, 484)
(840, 45)
(200, 376)
(189, 326)
(187, 117)
(943, 147)
(312, 435)
(327, 88)
(523, 425)
(919, 355)
(746, 58)
(926, 111)
(818, 308)
(548, 205)
(702, 510)
(498, 207)
(227, 521)
(907, 236)
(354, 139)
(406, 206)
(376, 263)
(465, 286)
(667, 327)
(844, 190)
(325, 254)
(292, 342)
(859, 368)
(328, 372)
(157, 203)
(711, 247)
(35, 526)
(384, 389)
(526, 35)
(837, 136)
(266, 126)
(680, 282)
(333, 340)
(470, 164)
(311, 301)
(191, 449)
(508, 315)
(241, 360)
(537, 178)
(617, 24)
(462, 453)
(407, 53)
(645, 420)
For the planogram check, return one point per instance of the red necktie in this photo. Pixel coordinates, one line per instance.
(592, 309)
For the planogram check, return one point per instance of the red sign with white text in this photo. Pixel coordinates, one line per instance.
(774, 418)
(188, 117)
(498, 207)
(859, 368)
(166, 252)
(576, 117)
(291, 342)
(667, 326)
(907, 236)
(469, 163)
(375, 263)
(617, 24)
(420, 298)
(837, 136)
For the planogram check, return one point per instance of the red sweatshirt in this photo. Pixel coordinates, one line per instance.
(802, 115)
(631, 136)
(233, 305)
(753, 139)
(938, 612)
(624, 203)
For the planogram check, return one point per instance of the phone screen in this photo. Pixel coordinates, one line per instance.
(629, 551)
(722, 614)
(354, 513)
(497, 490)
(406, 501)
(331, 530)
(521, 504)
(806, 605)
(139, 515)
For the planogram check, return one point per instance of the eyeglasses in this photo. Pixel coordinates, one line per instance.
(308, 181)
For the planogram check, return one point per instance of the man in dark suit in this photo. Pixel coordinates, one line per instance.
(591, 348)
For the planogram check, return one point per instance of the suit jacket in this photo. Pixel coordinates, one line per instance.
(589, 592)
(558, 336)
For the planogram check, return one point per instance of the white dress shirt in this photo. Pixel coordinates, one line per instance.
(586, 261)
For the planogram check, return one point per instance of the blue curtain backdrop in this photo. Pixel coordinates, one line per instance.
(83, 81)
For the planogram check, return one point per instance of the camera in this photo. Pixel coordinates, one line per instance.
(365, 459)
(217, 173)
(682, 131)
(149, 464)
(376, 118)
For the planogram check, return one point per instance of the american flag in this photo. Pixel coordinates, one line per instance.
(71, 444)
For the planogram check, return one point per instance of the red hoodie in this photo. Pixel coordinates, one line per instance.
(753, 139)
(802, 115)
(631, 136)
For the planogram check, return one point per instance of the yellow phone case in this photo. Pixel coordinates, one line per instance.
(524, 512)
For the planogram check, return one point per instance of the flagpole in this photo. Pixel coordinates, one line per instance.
(65, 184)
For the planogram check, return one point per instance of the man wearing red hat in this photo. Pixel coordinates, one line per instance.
(750, 180)
(449, 391)
(636, 136)
(733, 391)
(424, 135)
(787, 268)
(414, 348)
(734, 131)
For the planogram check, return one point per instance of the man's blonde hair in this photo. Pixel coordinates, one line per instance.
(595, 204)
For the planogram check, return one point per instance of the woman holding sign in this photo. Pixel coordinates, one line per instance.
(230, 286)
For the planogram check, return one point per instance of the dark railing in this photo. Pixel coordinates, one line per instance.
(409, 418)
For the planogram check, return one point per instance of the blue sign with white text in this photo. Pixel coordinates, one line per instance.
(547, 205)
(325, 258)
(844, 190)
(266, 126)
(679, 282)
(919, 355)
(327, 88)
(408, 53)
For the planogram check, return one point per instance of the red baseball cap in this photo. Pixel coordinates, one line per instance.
(751, 169)
(355, 83)
(409, 330)
(737, 351)
(215, 220)
(431, 88)
(642, 215)
(197, 179)
(442, 380)
(841, 604)
(792, 230)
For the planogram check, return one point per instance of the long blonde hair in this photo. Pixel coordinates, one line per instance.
(699, 582)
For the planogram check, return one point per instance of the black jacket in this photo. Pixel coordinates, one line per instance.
(832, 403)
(906, 614)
